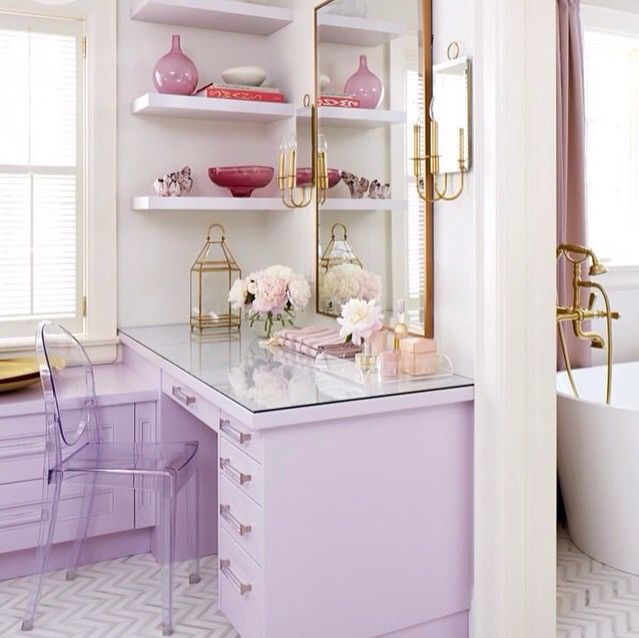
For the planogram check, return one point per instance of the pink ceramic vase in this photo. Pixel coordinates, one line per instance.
(174, 72)
(365, 86)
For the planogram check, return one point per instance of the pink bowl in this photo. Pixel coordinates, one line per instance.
(303, 176)
(241, 180)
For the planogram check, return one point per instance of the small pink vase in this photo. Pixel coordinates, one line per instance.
(174, 72)
(365, 86)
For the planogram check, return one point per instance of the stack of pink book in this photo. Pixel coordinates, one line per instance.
(315, 340)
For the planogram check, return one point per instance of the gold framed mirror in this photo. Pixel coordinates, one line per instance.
(373, 83)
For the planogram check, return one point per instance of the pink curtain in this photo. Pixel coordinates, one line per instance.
(571, 157)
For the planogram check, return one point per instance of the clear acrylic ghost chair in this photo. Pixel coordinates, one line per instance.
(75, 453)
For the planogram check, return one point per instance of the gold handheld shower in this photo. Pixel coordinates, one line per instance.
(577, 314)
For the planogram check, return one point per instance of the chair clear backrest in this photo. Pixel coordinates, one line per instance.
(69, 392)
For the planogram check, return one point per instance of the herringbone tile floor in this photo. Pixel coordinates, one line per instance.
(121, 599)
(593, 600)
(116, 599)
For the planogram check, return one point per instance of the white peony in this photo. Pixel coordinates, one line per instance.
(340, 283)
(237, 294)
(280, 272)
(370, 286)
(360, 319)
(299, 292)
(270, 387)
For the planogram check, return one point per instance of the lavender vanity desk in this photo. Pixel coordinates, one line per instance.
(337, 510)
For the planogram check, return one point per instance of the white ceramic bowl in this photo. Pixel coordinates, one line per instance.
(245, 75)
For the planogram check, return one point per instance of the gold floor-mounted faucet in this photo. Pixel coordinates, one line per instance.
(577, 314)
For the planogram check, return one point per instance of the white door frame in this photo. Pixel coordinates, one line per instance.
(515, 424)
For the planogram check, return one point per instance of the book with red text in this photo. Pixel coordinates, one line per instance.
(344, 101)
(251, 94)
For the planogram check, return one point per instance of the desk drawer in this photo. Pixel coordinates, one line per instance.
(241, 589)
(21, 448)
(21, 508)
(22, 441)
(242, 519)
(242, 471)
(247, 440)
(190, 400)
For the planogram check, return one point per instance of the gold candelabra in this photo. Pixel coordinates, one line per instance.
(322, 167)
(440, 192)
(577, 314)
(292, 195)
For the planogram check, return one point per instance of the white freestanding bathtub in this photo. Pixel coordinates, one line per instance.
(598, 458)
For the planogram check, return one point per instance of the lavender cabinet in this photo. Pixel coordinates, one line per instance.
(21, 461)
(337, 509)
(349, 527)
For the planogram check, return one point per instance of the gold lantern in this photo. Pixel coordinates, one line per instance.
(212, 275)
(338, 251)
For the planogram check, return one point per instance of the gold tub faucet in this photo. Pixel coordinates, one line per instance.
(577, 314)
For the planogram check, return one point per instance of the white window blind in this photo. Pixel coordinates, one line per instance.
(41, 173)
(612, 144)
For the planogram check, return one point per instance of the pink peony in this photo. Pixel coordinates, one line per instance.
(271, 294)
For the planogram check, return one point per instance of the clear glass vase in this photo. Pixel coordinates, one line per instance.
(265, 324)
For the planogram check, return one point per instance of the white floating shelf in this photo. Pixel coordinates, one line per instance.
(221, 15)
(207, 203)
(210, 108)
(346, 204)
(361, 32)
(361, 118)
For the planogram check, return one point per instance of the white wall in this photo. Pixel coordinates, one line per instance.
(455, 221)
(622, 286)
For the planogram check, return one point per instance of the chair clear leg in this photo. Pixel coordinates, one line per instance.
(193, 527)
(50, 500)
(167, 552)
(83, 526)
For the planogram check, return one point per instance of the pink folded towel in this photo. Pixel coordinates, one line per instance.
(315, 340)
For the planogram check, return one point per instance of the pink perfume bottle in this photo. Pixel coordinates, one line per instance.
(365, 86)
(174, 72)
(389, 364)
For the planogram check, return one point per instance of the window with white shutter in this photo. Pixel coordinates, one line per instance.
(41, 173)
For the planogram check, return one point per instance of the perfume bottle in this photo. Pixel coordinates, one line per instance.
(400, 330)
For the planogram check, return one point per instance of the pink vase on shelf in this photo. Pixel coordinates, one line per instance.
(174, 72)
(365, 86)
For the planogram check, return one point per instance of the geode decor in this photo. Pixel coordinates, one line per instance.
(174, 184)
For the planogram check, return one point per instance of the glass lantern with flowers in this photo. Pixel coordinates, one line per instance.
(212, 277)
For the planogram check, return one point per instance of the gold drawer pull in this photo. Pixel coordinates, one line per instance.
(240, 587)
(233, 472)
(241, 437)
(182, 396)
(240, 528)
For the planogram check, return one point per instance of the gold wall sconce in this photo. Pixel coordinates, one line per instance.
(212, 275)
(292, 194)
(446, 152)
(322, 167)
